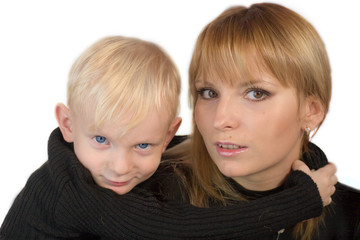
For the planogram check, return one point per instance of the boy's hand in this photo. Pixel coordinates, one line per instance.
(324, 178)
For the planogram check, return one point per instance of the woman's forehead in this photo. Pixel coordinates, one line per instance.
(234, 74)
(242, 67)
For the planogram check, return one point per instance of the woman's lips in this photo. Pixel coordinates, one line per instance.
(226, 149)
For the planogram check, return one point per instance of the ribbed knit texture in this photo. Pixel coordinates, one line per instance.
(61, 201)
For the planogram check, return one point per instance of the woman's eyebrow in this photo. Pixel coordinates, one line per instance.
(207, 83)
(253, 82)
(240, 83)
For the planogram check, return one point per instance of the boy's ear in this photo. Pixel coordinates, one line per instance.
(62, 114)
(314, 113)
(174, 126)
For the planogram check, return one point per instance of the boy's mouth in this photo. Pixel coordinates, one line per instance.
(115, 183)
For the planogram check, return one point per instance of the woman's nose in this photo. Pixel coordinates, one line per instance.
(225, 117)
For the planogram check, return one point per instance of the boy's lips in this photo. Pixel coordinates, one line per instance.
(227, 149)
(116, 183)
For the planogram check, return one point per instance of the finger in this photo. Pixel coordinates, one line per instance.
(334, 179)
(329, 168)
(329, 202)
(333, 189)
(300, 165)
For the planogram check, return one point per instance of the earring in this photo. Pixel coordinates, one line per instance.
(307, 130)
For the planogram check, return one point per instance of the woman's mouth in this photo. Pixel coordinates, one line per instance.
(229, 149)
(229, 146)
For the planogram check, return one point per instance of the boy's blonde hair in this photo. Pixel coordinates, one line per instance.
(120, 77)
(280, 42)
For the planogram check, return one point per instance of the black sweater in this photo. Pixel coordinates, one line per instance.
(341, 219)
(61, 201)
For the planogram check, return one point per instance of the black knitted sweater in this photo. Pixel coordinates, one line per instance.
(61, 201)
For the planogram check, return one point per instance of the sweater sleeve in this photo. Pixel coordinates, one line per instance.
(31, 215)
(80, 210)
(140, 215)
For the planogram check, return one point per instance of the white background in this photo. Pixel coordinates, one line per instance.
(39, 40)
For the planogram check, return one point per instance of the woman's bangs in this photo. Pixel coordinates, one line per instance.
(222, 59)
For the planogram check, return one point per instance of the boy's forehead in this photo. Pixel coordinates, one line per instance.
(153, 122)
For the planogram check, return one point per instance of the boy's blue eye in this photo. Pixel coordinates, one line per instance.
(100, 139)
(143, 146)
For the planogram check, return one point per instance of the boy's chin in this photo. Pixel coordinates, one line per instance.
(120, 190)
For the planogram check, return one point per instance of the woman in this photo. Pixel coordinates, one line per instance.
(260, 83)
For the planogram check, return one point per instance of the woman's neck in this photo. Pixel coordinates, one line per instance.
(266, 180)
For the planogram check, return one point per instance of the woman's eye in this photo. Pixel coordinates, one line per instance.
(100, 139)
(207, 93)
(257, 94)
(143, 146)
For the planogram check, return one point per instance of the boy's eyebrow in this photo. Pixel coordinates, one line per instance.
(142, 139)
(148, 139)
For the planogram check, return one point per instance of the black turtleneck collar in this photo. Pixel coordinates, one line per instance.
(315, 158)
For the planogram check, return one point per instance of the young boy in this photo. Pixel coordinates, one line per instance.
(123, 96)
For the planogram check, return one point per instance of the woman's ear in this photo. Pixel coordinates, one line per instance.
(174, 126)
(62, 114)
(314, 113)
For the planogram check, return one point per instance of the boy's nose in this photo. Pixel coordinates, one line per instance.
(120, 163)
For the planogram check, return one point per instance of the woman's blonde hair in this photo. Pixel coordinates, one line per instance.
(284, 44)
(121, 77)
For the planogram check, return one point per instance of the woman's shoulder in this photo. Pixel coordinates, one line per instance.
(348, 197)
(342, 217)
